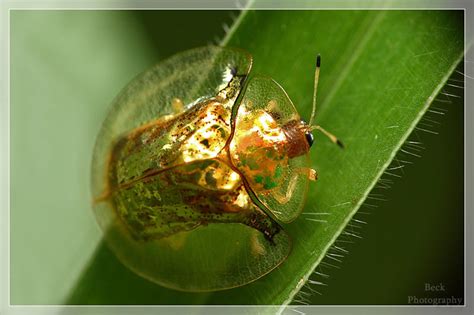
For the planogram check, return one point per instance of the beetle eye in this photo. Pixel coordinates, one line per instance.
(308, 134)
(309, 138)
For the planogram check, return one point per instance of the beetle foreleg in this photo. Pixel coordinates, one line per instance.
(284, 197)
(311, 173)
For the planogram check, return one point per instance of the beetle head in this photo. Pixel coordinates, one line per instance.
(299, 137)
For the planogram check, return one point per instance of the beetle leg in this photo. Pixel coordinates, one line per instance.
(311, 173)
(284, 197)
(260, 221)
(177, 105)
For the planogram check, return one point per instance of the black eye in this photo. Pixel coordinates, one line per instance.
(309, 138)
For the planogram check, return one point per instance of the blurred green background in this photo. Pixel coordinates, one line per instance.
(66, 67)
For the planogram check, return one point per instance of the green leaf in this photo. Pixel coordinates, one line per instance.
(65, 66)
(380, 72)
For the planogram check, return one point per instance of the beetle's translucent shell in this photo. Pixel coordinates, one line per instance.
(259, 148)
(174, 181)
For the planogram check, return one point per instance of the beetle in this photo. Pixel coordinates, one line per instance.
(196, 167)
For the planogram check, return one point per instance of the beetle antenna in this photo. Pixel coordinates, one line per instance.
(315, 90)
(331, 137)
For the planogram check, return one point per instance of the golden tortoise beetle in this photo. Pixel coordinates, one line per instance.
(195, 168)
